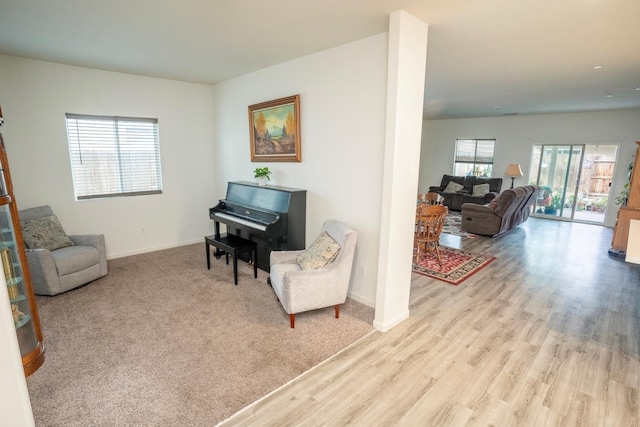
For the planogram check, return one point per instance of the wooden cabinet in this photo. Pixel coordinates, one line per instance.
(18, 281)
(628, 212)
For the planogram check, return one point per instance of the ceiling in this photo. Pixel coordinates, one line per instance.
(484, 58)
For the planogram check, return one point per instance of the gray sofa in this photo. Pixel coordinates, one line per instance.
(66, 268)
(454, 201)
(509, 210)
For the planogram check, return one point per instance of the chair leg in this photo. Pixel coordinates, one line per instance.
(292, 320)
(337, 311)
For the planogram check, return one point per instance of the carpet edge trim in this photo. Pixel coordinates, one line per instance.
(252, 404)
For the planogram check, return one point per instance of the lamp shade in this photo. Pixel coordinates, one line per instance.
(513, 170)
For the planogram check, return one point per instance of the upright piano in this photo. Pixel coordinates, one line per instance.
(273, 217)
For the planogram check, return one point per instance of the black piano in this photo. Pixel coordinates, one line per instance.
(273, 217)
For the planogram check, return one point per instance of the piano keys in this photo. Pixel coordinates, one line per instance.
(274, 217)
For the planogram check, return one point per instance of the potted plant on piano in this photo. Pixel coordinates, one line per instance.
(262, 174)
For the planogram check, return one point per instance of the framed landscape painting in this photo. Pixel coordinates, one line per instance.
(274, 128)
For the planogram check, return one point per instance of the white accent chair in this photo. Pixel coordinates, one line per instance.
(301, 290)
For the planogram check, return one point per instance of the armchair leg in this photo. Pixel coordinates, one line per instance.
(337, 311)
(292, 320)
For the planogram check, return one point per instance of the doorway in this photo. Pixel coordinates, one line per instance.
(575, 181)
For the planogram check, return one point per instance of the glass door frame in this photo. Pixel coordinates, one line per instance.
(592, 175)
(547, 204)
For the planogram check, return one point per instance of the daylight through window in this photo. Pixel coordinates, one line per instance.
(113, 156)
(474, 157)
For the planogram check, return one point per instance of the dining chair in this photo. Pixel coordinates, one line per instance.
(430, 198)
(429, 223)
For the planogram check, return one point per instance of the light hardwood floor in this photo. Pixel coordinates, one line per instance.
(546, 335)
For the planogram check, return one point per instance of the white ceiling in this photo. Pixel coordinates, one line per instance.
(485, 57)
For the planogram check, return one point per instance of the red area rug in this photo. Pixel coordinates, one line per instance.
(456, 266)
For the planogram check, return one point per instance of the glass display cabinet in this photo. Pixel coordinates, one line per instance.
(18, 281)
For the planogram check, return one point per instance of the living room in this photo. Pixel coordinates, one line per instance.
(516, 136)
(204, 140)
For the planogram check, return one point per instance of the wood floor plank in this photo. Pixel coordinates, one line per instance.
(546, 335)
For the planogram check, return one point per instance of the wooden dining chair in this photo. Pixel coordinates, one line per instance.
(429, 223)
(430, 198)
(434, 198)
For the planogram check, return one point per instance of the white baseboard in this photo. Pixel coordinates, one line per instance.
(386, 326)
(153, 249)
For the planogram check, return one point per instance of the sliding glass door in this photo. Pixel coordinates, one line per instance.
(575, 180)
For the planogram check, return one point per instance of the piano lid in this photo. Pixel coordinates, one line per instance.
(270, 198)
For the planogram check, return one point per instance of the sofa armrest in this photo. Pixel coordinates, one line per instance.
(284, 257)
(476, 210)
(310, 289)
(86, 239)
(43, 271)
(98, 242)
(436, 189)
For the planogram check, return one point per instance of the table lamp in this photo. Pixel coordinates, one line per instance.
(513, 170)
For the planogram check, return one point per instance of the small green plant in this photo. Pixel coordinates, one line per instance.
(262, 173)
(621, 199)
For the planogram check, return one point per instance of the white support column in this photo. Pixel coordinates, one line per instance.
(405, 98)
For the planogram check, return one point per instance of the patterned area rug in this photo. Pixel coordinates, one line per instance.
(452, 225)
(456, 266)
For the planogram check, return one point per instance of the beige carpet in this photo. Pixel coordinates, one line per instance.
(162, 341)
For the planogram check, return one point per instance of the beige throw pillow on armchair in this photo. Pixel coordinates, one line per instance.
(321, 252)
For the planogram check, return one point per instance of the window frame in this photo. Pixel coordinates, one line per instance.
(476, 161)
(123, 153)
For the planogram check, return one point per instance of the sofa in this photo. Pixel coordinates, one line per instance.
(505, 212)
(465, 190)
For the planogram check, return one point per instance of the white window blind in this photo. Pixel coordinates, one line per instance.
(113, 156)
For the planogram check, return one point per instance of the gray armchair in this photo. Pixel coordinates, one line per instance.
(82, 259)
(299, 289)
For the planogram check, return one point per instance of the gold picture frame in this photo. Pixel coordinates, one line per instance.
(274, 130)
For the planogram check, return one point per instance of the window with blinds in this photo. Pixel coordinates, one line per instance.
(113, 156)
(474, 157)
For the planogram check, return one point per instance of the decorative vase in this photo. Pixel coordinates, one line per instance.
(262, 182)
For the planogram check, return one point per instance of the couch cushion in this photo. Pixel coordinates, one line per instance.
(321, 252)
(44, 233)
(453, 187)
(75, 258)
(495, 184)
(480, 190)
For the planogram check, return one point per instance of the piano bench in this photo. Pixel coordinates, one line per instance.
(232, 245)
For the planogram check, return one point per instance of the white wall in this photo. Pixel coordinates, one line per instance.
(515, 137)
(342, 112)
(35, 96)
